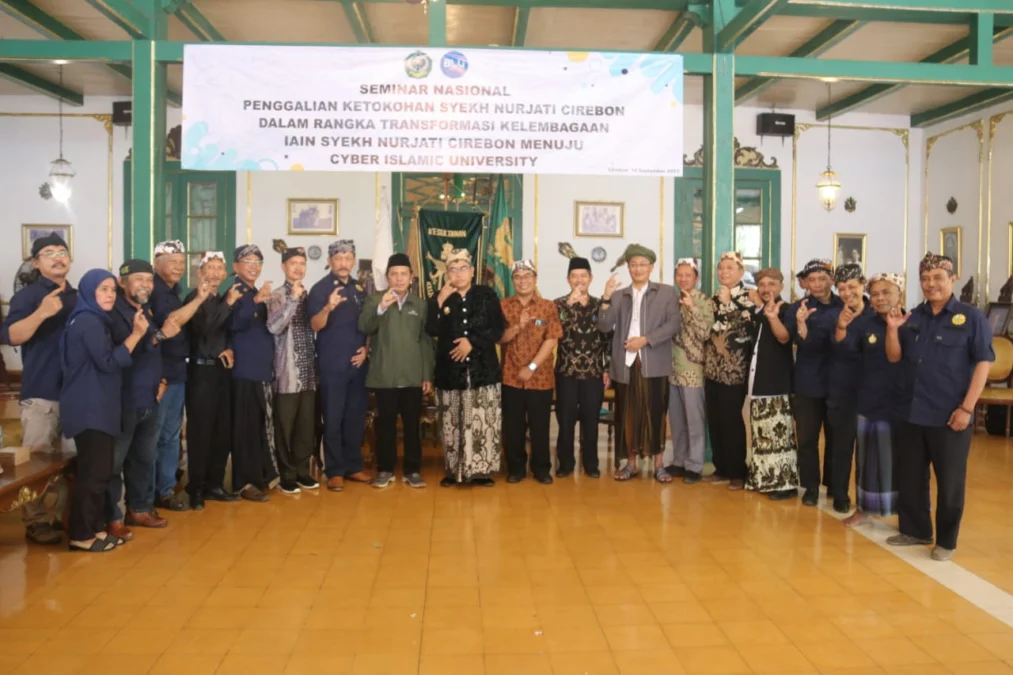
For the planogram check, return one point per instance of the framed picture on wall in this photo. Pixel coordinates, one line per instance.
(599, 219)
(951, 246)
(849, 249)
(998, 315)
(31, 232)
(315, 217)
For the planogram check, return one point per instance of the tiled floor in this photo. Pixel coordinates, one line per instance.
(579, 577)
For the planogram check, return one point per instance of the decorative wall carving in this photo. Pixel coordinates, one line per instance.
(745, 158)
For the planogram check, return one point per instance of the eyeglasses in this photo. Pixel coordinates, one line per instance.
(457, 270)
(59, 254)
(256, 262)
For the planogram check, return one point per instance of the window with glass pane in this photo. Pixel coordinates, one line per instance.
(749, 227)
(698, 223)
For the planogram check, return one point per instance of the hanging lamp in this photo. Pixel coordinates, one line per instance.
(61, 171)
(828, 187)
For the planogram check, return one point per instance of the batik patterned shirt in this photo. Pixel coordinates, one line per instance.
(294, 356)
(688, 343)
(584, 351)
(729, 349)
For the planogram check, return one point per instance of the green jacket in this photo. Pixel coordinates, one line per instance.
(401, 353)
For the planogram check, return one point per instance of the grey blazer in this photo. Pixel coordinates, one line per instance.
(659, 322)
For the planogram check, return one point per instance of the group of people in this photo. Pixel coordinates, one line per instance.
(271, 375)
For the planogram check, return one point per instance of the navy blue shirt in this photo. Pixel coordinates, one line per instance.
(341, 337)
(92, 377)
(140, 380)
(41, 376)
(164, 301)
(940, 353)
(881, 386)
(845, 371)
(252, 343)
(812, 359)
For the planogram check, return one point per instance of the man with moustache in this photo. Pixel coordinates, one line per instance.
(295, 376)
(813, 324)
(209, 386)
(532, 331)
(170, 265)
(582, 364)
(946, 348)
(35, 321)
(644, 318)
(400, 371)
(844, 378)
(254, 467)
(134, 458)
(334, 305)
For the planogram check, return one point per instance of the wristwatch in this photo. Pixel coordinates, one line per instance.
(160, 336)
(533, 366)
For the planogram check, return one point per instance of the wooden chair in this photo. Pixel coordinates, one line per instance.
(999, 373)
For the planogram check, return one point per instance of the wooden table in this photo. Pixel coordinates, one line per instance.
(25, 483)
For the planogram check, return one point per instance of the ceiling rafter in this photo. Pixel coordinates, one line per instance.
(40, 84)
(964, 106)
(680, 29)
(195, 21)
(814, 46)
(520, 32)
(356, 15)
(951, 53)
(124, 15)
(742, 25)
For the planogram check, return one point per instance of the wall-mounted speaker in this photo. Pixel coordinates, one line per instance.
(123, 113)
(775, 124)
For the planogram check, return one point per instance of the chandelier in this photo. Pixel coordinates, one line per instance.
(61, 171)
(828, 187)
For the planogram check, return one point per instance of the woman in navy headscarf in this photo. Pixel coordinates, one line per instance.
(90, 403)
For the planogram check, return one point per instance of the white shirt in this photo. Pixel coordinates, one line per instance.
(638, 296)
(380, 309)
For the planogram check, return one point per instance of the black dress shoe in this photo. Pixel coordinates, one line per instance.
(544, 480)
(197, 500)
(174, 502)
(811, 498)
(781, 495)
(564, 473)
(448, 481)
(842, 505)
(514, 479)
(691, 477)
(593, 473)
(482, 482)
(675, 471)
(220, 495)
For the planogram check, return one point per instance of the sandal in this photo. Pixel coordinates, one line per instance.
(97, 546)
(626, 473)
(662, 476)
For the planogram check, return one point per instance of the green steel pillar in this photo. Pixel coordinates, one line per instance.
(147, 180)
(718, 152)
(437, 23)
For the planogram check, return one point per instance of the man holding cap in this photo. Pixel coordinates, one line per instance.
(532, 330)
(401, 370)
(35, 321)
(645, 318)
(134, 458)
(582, 362)
(254, 468)
(295, 375)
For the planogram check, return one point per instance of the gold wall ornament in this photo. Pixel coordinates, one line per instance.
(951, 205)
(26, 495)
(850, 204)
(745, 157)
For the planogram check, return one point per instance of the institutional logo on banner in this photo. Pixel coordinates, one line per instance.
(488, 111)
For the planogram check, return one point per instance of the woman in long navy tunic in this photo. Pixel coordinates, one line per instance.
(90, 403)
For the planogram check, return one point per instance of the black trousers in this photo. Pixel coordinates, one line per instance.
(946, 450)
(208, 425)
(844, 428)
(810, 417)
(578, 401)
(95, 455)
(727, 428)
(526, 410)
(252, 435)
(294, 433)
(406, 402)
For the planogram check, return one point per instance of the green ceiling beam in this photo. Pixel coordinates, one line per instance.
(953, 6)
(980, 39)
(873, 13)
(677, 33)
(70, 50)
(39, 85)
(196, 22)
(521, 16)
(746, 22)
(437, 23)
(356, 15)
(36, 19)
(665, 5)
(124, 15)
(874, 71)
(819, 43)
(954, 51)
(965, 106)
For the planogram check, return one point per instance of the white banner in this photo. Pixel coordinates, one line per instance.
(431, 109)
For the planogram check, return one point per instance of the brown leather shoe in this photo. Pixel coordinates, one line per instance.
(359, 477)
(336, 484)
(119, 530)
(146, 519)
(253, 494)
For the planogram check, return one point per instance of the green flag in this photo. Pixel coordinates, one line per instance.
(440, 232)
(499, 247)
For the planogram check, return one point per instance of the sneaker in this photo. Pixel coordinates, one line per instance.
(691, 478)
(676, 471)
(383, 479)
(907, 540)
(942, 554)
(289, 487)
(307, 482)
(414, 480)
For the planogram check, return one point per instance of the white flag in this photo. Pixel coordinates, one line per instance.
(383, 245)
